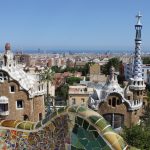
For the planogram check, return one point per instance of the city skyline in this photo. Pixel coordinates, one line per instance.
(72, 25)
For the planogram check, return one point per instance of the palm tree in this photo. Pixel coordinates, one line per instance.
(47, 76)
(53, 102)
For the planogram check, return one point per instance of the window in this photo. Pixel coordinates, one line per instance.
(19, 104)
(137, 93)
(12, 88)
(25, 117)
(73, 101)
(114, 102)
(85, 89)
(128, 97)
(109, 101)
(40, 116)
(118, 102)
(134, 102)
(3, 76)
(116, 120)
(83, 100)
(3, 107)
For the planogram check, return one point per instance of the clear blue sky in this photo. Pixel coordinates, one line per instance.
(72, 24)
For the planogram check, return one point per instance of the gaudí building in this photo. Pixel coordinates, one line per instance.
(21, 95)
(122, 106)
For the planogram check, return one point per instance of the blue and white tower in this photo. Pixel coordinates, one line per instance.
(137, 82)
(137, 69)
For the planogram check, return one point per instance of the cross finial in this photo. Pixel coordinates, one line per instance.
(138, 17)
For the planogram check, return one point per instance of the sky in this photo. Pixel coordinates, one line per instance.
(72, 24)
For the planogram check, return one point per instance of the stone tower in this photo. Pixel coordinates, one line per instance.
(8, 56)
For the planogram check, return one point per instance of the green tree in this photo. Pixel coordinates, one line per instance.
(72, 80)
(85, 69)
(56, 69)
(47, 76)
(146, 60)
(62, 91)
(112, 62)
(137, 136)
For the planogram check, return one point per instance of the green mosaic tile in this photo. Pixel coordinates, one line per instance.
(91, 128)
(102, 124)
(85, 124)
(101, 141)
(44, 121)
(96, 148)
(74, 139)
(89, 135)
(81, 109)
(108, 129)
(84, 141)
(74, 148)
(61, 110)
(75, 129)
(53, 114)
(122, 143)
(95, 133)
(81, 133)
(89, 146)
(76, 142)
(94, 119)
(38, 125)
(94, 143)
(79, 121)
(72, 109)
(57, 135)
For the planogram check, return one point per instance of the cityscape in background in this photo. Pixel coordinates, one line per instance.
(69, 98)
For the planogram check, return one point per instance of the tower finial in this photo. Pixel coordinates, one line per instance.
(138, 16)
(137, 70)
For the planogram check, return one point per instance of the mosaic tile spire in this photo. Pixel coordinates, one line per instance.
(137, 69)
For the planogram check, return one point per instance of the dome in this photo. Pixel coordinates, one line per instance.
(7, 46)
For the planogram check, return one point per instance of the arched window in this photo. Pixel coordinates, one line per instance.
(118, 102)
(3, 76)
(25, 117)
(114, 102)
(109, 101)
(116, 120)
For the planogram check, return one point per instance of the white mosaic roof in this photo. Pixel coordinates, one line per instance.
(26, 82)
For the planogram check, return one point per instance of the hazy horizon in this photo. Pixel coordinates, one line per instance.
(70, 24)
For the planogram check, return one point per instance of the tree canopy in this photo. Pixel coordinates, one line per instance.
(62, 92)
(112, 62)
(138, 137)
(84, 70)
(72, 80)
(146, 60)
